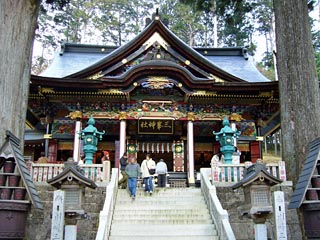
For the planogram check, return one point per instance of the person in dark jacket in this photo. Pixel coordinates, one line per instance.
(123, 163)
(133, 171)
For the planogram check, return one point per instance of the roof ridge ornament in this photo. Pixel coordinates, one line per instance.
(157, 17)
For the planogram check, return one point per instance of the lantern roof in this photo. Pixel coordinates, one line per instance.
(257, 172)
(71, 172)
(91, 128)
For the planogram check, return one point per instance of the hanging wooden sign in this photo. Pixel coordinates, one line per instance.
(155, 126)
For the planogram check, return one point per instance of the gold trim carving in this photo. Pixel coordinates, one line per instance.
(96, 76)
(190, 116)
(122, 116)
(266, 94)
(215, 78)
(75, 115)
(236, 117)
(47, 90)
(204, 93)
(157, 82)
(110, 91)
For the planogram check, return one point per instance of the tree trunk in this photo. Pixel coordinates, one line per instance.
(298, 83)
(215, 23)
(18, 20)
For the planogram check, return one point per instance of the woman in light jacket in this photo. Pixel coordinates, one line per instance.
(146, 165)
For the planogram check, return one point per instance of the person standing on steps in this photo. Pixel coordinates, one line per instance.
(123, 163)
(133, 172)
(148, 167)
(162, 170)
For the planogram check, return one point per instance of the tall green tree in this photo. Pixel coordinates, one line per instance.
(234, 20)
(185, 21)
(61, 21)
(298, 83)
(120, 20)
(73, 19)
(18, 19)
(263, 15)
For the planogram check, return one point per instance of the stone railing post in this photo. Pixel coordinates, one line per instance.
(106, 171)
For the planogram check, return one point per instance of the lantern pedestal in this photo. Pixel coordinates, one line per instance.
(227, 152)
(89, 155)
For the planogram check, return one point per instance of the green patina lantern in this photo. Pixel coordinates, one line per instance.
(90, 136)
(226, 137)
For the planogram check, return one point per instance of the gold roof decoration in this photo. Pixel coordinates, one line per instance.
(110, 91)
(75, 115)
(268, 94)
(157, 82)
(190, 116)
(122, 116)
(236, 117)
(96, 76)
(215, 78)
(204, 93)
(47, 90)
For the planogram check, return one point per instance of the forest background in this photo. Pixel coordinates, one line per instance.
(200, 23)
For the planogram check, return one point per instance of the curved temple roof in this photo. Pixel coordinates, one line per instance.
(76, 59)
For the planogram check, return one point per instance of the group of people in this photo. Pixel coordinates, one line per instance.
(131, 171)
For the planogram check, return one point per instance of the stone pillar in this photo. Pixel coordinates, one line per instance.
(280, 215)
(122, 144)
(260, 231)
(46, 143)
(70, 232)
(190, 140)
(57, 224)
(76, 143)
(106, 171)
(77, 116)
(234, 128)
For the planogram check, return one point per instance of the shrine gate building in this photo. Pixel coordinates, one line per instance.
(154, 95)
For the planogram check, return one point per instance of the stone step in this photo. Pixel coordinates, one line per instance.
(150, 207)
(162, 194)
(155, 221)
(143, 237)
(162, 230)
(160, 211)
(160, 216)
(148, 202)
(166, 214)
(167, 191)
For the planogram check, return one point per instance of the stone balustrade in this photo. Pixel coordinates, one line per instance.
(106, 214)
(96, 172)
(219, 215)
(235, 172)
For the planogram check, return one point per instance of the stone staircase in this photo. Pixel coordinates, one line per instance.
(176, 213)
